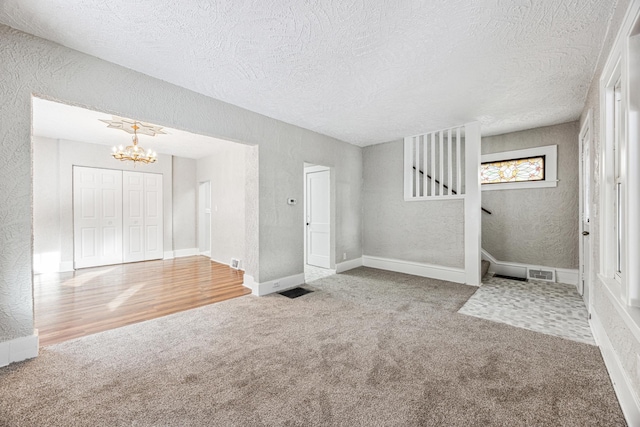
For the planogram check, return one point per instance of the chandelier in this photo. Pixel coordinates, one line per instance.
(134, 153)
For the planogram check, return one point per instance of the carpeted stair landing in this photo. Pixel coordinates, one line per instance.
(366, 348)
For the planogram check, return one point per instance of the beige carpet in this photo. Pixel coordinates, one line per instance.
(367, 348)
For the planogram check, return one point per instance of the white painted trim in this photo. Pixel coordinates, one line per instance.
(19, 349)
(472, 206)
(516, 269)
(248, 282)
(566, 275)
(630, 315)
(168, 255)
(450, 274)
(180, 253)
(432, 198)
(66, 267)
(620, 379)
(272, 286)
(348, 265)
(551, 167)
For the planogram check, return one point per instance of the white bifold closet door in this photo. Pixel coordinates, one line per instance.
(117, 216)
(97, 216)
(142, 207)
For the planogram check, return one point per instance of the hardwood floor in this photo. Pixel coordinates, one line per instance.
(90, 300)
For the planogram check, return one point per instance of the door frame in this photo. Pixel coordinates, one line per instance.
(202, 216)
(585, 279)
(309, 167)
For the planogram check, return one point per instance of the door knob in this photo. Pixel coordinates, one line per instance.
(585, 233)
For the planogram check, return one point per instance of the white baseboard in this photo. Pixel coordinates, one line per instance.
(272, 286)
(205, 253)
(415, 268)
(516, 269)
(621, 382)
(348, 265)
(180, 253)
(19, 349)
(66, 266)
(168, 255)
(566, 275)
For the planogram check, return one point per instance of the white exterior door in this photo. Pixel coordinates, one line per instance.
(97, 210)
(153, 225)
(133, 218)
(318, 214)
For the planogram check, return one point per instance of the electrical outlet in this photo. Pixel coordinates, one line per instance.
(276, 284)
(344, 256)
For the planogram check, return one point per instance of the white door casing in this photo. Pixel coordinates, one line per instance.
(584, 280)
(97, 211)
(204, 218)
(318, 216)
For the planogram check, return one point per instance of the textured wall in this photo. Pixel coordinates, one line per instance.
(625, 343)
(428, 232)
(536, 226)
(32, 65)
(70, 153)
(46, 206)
(225, 169)
(185, 189)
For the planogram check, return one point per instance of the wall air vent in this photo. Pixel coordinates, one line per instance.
(546, 275)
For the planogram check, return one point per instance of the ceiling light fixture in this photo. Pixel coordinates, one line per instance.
(134, 153)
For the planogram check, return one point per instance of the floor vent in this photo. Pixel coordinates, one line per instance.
(295, 292)
(540, 274)
(502, 276)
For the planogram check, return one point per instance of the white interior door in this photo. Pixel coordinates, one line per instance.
(153, 223)
(204, 218)
(585, 190)
(133, 216)
(97, 212)
(318, 214)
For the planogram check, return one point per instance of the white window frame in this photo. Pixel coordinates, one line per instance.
(550, 153)
(613, 113)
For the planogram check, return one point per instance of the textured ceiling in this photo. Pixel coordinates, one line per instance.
(361, 71)
(61, 121)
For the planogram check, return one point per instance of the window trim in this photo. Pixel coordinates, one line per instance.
(550, 154)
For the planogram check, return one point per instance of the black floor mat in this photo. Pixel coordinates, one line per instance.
(502, 276)
(295, 292)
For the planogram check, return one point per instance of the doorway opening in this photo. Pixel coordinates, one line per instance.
(113, 241)
(319, 253)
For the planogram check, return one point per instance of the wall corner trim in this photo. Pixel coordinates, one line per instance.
(168, 255)
(619, 378)
(439, 272)
(348, 265)
(19, 349)
(273, 286)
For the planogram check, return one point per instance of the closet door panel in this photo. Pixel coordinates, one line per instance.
(153, 221)
(97, 212)
(133, 198)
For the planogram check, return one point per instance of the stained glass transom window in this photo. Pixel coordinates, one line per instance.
(515, 170)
